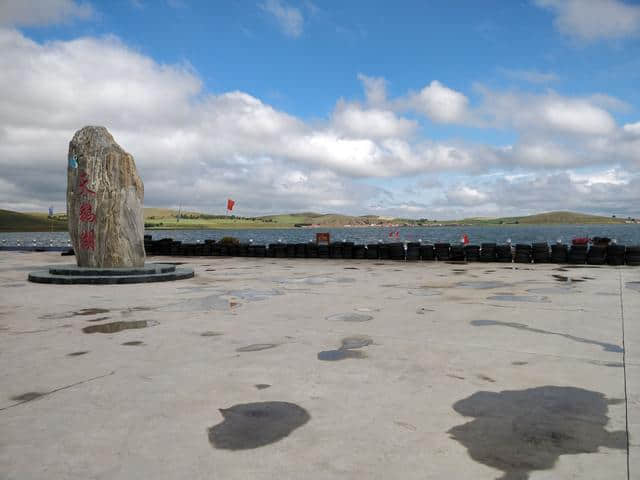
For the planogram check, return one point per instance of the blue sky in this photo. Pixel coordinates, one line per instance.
(420, 109)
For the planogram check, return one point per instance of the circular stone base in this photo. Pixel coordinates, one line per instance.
(73, 275)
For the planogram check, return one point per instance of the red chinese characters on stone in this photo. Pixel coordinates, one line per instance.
(88, 240)
(86, 213)
(82, 185)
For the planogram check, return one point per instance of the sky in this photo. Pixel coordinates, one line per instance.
(415, 109)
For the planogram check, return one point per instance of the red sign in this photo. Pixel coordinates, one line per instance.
(230, 204)
(323, 238)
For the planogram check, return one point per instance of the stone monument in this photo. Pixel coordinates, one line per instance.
(106, 222)
(104, 202)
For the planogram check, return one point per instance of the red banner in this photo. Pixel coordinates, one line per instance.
(230, 204)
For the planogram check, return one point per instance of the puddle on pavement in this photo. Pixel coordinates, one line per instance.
(77, 354)
(99, 319)
(559, 290)
(319, 280)
(348, 349)
(424, 292)
(253, 425)
(132, 310)
(82, 312)
(483, 285)
(521, 431)
(114, 327)
(607, 347)
(351, 268)
(27, 397)
(634, 286)
(210, 333)
(350, 317)
(486, 378)
(256, 347)
(519, 298)
(91, 311)
(519, 364)
(133, 343)
(262, 386)
(250, 295)
(200, 304)
(564, 278)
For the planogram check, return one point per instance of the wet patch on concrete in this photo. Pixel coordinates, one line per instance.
(200, 304)
(77, 354)
(133, 343)
(252, 425)
(251, 295)
(262, 386)
(27, 397)
(483, 285)
(82, 312)
(559, 290)
(13, 285)
(634, 286)
(486, 378)
(457, 377)
(91, 311)
(424, 292)
(519, 298)
(351, 268)
(564, 278)
(406, 425)
(350, 317)
(114, 327)
(607, 364)
(348, 349)
(519, 364)
(607, 347)
(210, 333)
(132, 310)
(99, 319)
(423, 310)
(256, 347)
(521, 431)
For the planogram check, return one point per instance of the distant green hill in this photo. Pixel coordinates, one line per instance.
(30, 222)
(163, 218)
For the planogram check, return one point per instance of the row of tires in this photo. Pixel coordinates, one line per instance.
(487, 252)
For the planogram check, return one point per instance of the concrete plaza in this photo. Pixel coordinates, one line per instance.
(322, 369)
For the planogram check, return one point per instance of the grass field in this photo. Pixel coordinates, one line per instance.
(166, 219)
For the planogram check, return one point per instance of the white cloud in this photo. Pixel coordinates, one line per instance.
(375, 89)
(530, 76)
(289, 18)
(440, 103)
(466, 196)
(356, 121)
(590, 20)
(42, 12)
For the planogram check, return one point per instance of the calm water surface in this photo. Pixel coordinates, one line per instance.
(624, 234)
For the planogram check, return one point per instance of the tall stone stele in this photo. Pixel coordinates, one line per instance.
(104, 202)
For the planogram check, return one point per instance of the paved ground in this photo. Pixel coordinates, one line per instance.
(317, 369)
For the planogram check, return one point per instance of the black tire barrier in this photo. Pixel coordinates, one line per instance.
(427, 253)
(577, 255)
(301, 250)
(472, 253)
(442, 251)
(488, 252)
(523, 253)
(335, 250)
(413, 251)
(396, 251)
(597, 255)
(456, 253)
(559, 253)
(540, 253)
(359, 252)
(616, 254)
(503, 254)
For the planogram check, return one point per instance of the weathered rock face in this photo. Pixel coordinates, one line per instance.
(104, 202)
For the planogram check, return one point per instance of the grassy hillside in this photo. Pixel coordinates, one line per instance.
(30, 222)
(163, 218)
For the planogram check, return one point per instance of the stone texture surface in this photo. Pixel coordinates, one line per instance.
(104, 202)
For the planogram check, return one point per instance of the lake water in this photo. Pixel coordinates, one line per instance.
(624, 234)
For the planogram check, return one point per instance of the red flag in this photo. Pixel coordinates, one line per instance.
(465, 239)
(230, 204)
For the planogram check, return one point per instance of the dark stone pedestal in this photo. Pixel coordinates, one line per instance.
(71, 274)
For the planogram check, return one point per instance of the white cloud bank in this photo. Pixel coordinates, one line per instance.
(196, 148)
(590, 20)
(42, 12)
